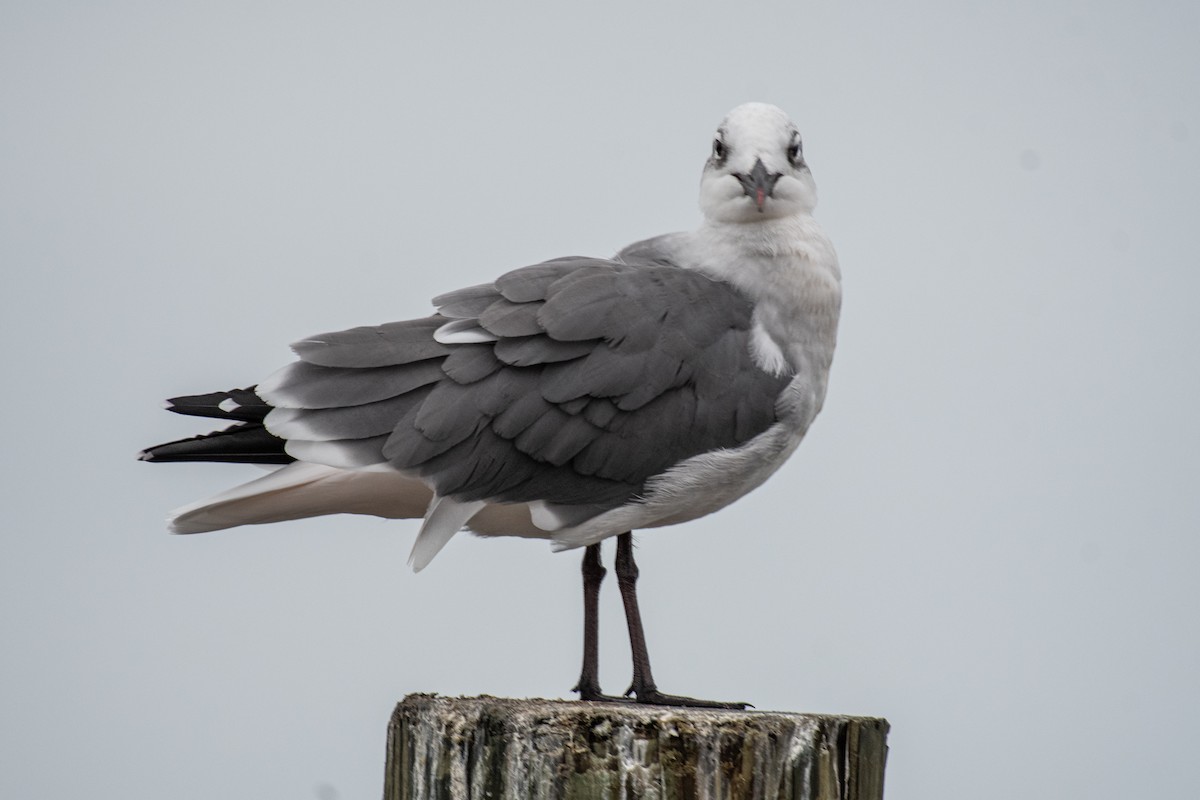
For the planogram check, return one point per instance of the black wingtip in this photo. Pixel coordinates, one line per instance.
(243, 443)
(242, 405)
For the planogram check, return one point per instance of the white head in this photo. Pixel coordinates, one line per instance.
(756, 170)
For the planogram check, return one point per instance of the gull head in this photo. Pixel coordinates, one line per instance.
(756, 170)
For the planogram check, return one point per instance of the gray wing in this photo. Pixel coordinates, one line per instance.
(583, 379)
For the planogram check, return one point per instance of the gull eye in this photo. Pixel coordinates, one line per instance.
(718, 150)
(793, 153)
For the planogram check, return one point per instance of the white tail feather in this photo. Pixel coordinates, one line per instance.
(306, 490)
(446, 517)
(543, 516)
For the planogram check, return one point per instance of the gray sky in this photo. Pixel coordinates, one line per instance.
(989, 537)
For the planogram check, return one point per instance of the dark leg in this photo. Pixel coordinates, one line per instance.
(589, 678)
(643, 686)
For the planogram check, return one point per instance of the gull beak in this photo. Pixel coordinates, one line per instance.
(759, 184)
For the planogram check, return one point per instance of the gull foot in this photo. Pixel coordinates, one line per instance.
(592, 694)
(653, 697)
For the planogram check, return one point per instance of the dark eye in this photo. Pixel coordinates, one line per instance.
(718, 150)
(793, 154)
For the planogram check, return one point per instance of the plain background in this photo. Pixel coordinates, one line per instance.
(989, 537)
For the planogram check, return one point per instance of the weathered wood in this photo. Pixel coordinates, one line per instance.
(442, 748)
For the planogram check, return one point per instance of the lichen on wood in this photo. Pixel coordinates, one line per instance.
(485, 747)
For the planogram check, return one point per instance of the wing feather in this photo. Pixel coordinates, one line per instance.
(602, 375)
(375, 346)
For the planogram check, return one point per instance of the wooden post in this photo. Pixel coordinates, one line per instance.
(450, 748)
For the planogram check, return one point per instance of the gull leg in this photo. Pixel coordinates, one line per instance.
(643, 686)
(589, 677)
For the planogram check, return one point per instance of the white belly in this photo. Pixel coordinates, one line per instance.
(708, 482)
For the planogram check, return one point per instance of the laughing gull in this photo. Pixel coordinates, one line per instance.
(572, 400)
